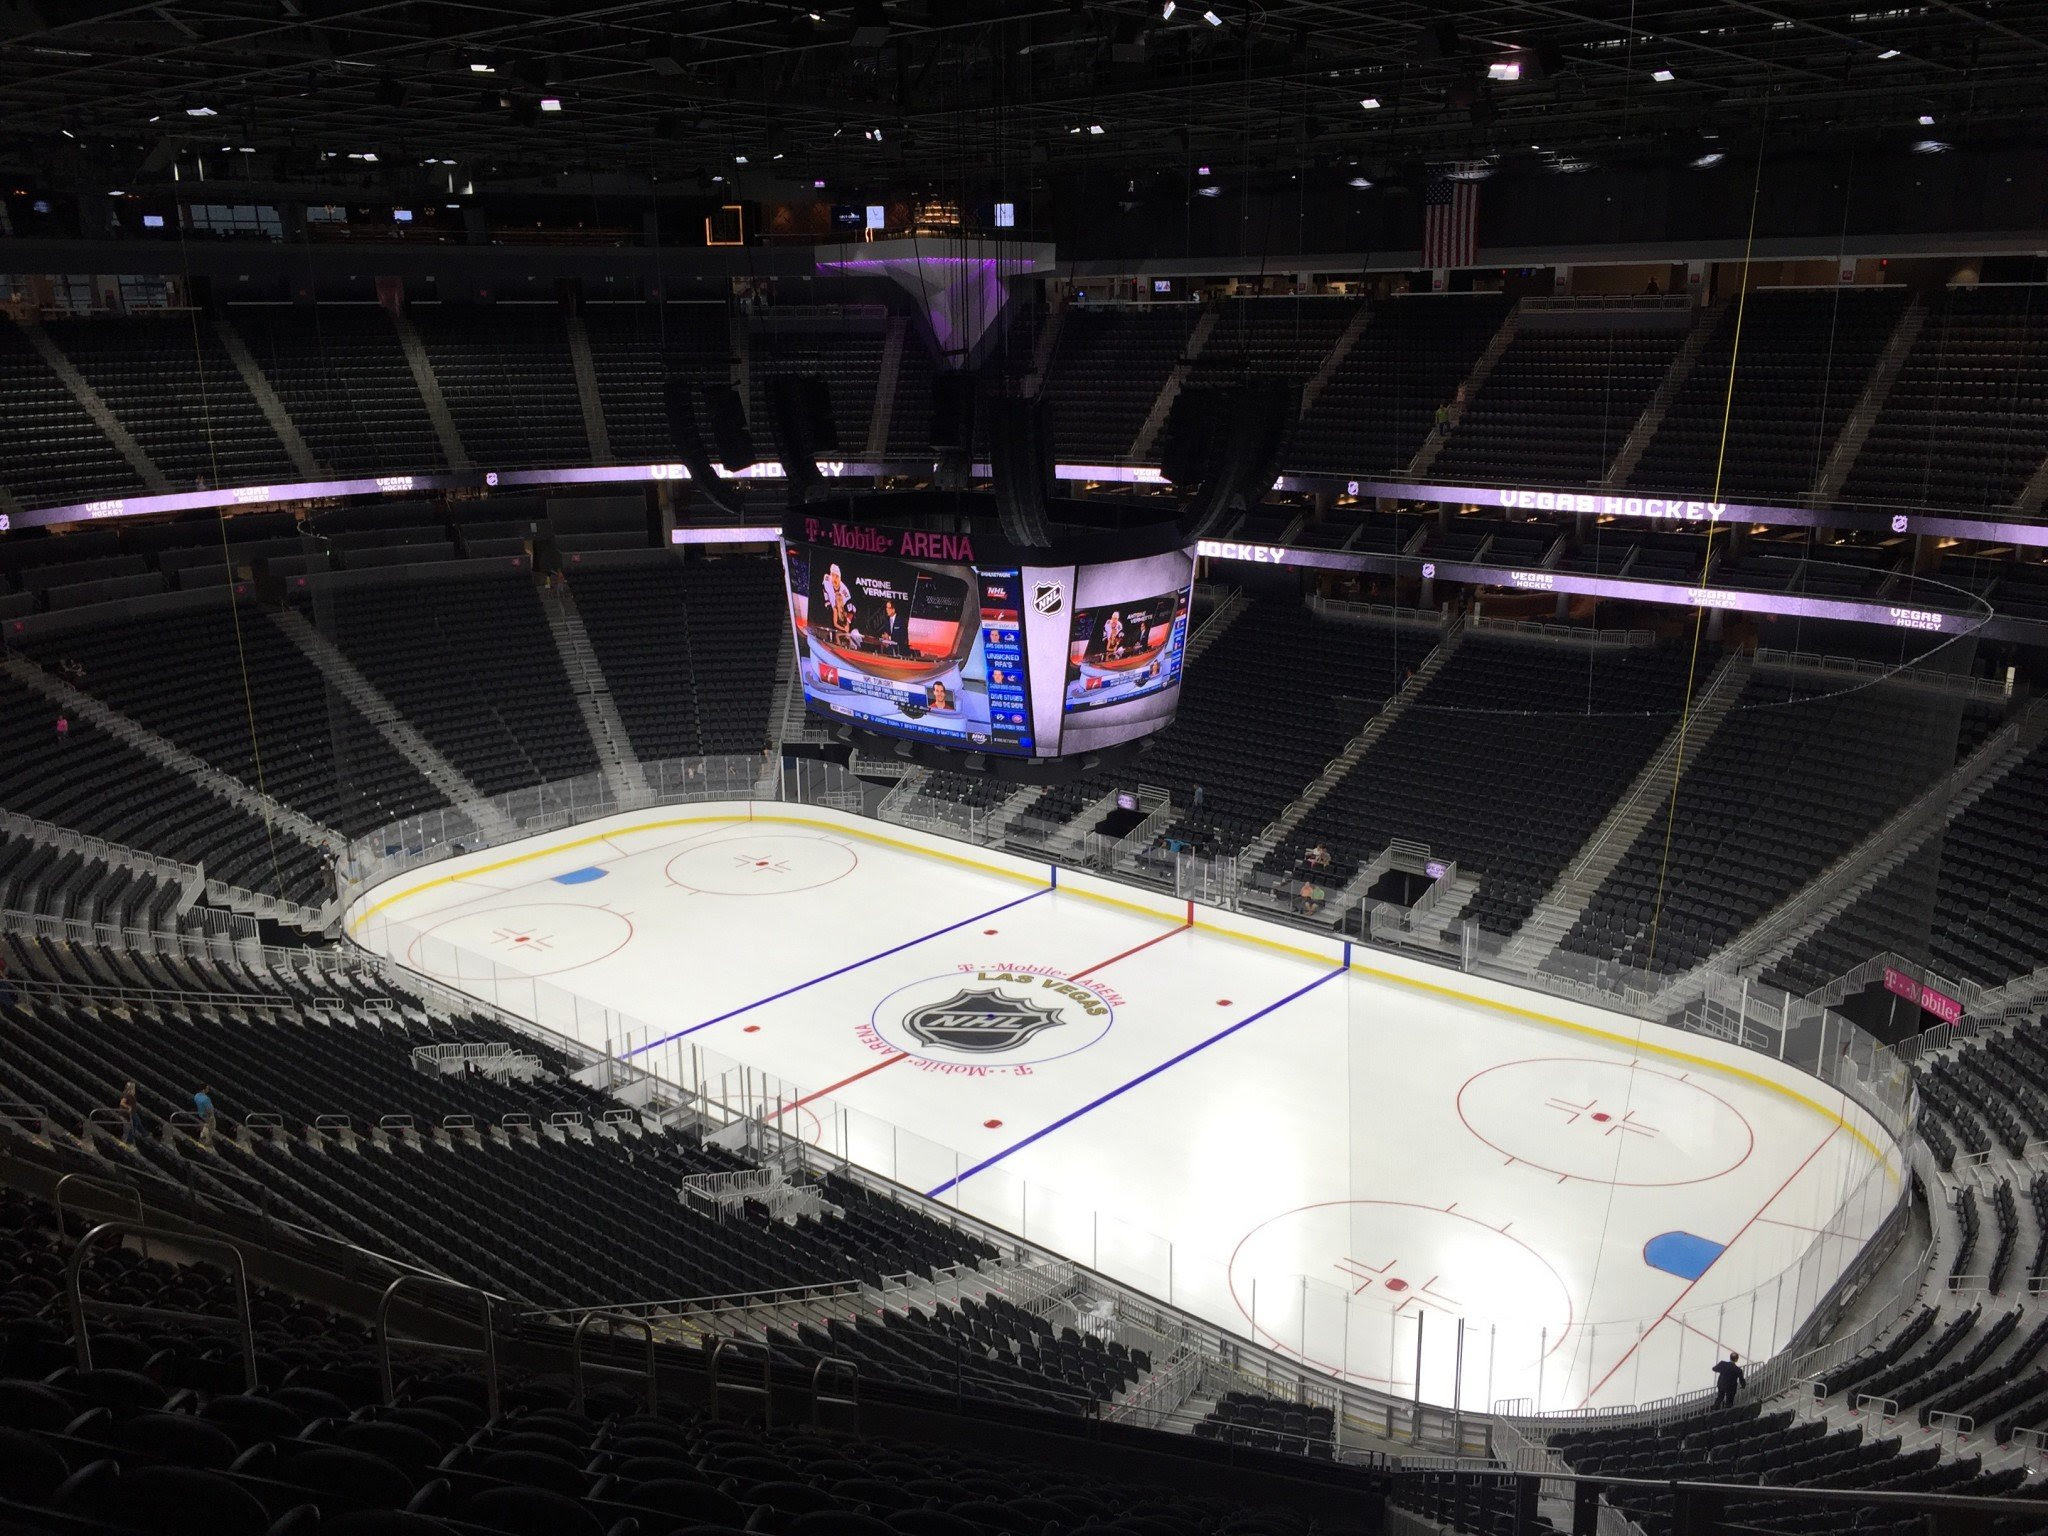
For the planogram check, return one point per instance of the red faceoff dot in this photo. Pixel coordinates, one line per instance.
(751, 1029)
(988, 930)
(992, 1124)
(1397, 1284)
(1222, 1002)
(1601, 1114)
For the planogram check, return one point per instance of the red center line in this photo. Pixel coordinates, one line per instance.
(1102, 965)
(890, 1061)
(1665, 1316)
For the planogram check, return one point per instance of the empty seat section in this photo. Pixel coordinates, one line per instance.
(468, 658)
(504, 371)
(171, 383)
(341, 374)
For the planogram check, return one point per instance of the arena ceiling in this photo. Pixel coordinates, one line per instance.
(966, 92)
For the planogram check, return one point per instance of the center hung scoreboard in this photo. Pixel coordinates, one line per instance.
(960, 641)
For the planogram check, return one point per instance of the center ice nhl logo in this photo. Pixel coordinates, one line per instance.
(980, 1019)
(1048, 597)
(991, 1018)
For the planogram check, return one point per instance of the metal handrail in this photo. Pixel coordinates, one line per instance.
(110, 1186)
(818, 1397)
(74, 1270)
(381, 1328)
(578, 1366)
(765, 1391)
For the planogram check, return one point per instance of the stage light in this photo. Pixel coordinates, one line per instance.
(1709, 160)
(1371, 103)
(1504, 69)
(1201, 170)
(739, 159)
(551, 103)
(1095, 130)
(1929, 147)
(1209, 191)
(1212, 18)
(152, 221)
(1360, 182)
(818, 183)
(401, 215)
(1167, 13)
(1889, 53)
(201, 112)
(483, 69)
(1926, 120)
(1662, 76)
(67, 133)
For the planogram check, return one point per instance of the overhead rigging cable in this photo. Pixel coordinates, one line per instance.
(1699, 618)
(227, 566)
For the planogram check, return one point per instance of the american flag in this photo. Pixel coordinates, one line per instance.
(1450, 216)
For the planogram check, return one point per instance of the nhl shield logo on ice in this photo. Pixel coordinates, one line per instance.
(980, 1019)
(991, 1018)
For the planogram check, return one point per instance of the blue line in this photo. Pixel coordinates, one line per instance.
(1142, 1077)
(882, 954)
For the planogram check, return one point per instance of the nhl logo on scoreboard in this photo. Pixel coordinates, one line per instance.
(981, 1020)
(1048, 597)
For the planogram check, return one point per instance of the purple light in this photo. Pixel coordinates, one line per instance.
(1668, 593)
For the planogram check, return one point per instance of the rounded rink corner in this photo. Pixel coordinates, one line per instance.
(1349, 1155)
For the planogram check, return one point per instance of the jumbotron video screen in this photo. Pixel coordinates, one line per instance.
(985, 654)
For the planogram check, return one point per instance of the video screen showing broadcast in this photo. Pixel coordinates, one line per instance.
(1126, 650)
(910, 648)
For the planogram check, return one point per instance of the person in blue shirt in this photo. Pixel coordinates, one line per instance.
(202, 1104)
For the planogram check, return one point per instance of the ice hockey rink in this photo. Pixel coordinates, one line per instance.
(1343, 1153)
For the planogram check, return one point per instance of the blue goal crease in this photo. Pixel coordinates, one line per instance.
(1143, 1077)
(880, 954)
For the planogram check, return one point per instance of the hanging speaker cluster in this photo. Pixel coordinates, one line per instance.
(1021, 466)
(679, 404)
(1227, 449)
(801, 423)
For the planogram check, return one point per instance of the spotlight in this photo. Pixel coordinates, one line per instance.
(1209, 191)
(1212, 18)
(1929, 147)
(1709, 160)
(551, 103)
(201, 112)
(483, 69)
(1371, 103)
(1504, 69)
(1662, 76)
(1360, 182)
(1926, 120)
(1095, 130)
(1889, 53)
(1167, 13)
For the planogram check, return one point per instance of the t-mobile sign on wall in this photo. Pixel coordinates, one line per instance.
(1937, 1002)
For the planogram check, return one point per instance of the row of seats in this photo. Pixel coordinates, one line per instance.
(1557, 406)
(164, 1435)
(1539, 740)
(1799, 366)
(1972, 902)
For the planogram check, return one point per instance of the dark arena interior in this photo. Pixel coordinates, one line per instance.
(607, 610)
